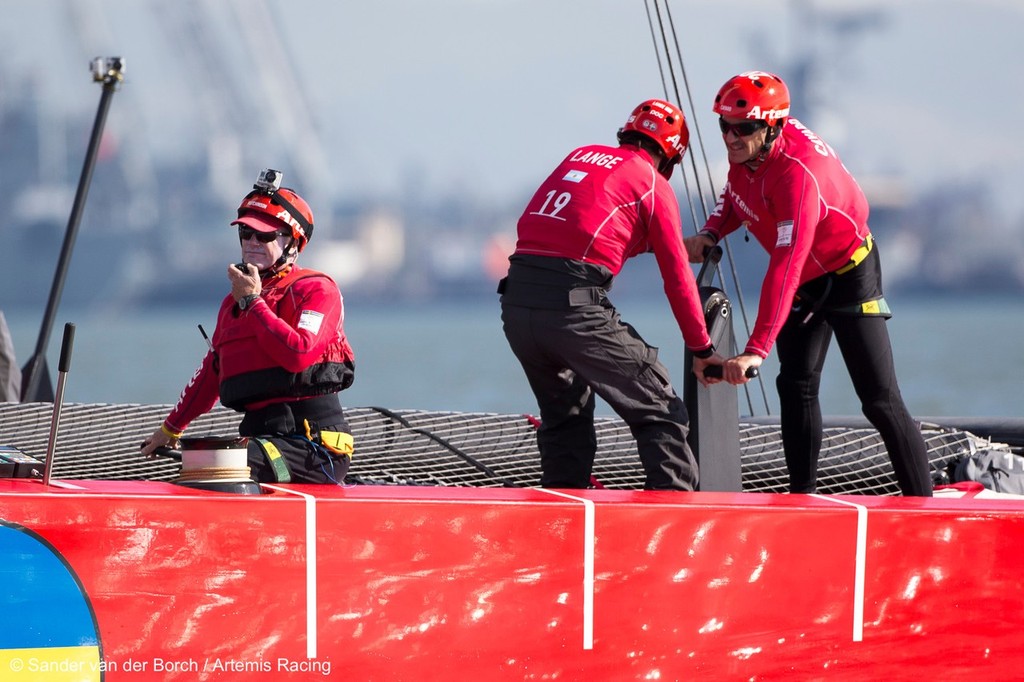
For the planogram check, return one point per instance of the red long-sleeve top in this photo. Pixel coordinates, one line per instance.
(292, 327)
(805, 208)
(604, 205)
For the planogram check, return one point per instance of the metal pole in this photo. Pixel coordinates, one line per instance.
(109, 72)
(63, 366)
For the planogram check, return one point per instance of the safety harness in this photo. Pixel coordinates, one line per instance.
(329, 443)
(814, 303)
(858, 256)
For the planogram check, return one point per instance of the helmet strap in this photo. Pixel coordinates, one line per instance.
(287, 258)
(307, 229)
(762, 153)
(769, 137)
(666, 166)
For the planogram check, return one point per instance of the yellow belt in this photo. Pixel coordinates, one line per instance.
(858, 256)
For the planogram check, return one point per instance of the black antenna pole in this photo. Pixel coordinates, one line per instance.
(36, 384)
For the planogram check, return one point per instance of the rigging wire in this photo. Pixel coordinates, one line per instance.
(676, 98)
(664, 43)
(665, 93)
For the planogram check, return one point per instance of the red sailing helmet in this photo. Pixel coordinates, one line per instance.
(755, 95)
(664, 123)
(284, 209)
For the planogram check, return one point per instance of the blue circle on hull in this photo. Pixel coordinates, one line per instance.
(42, 603)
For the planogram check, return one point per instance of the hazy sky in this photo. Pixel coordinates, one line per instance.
(478, 98)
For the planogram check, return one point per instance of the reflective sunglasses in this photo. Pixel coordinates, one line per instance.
(741, 129)
(245, 232)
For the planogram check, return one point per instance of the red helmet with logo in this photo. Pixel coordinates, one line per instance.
(284, 209)
(664, 123)
(755, 95)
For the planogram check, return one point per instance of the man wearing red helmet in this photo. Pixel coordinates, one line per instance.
(789, 189)
(279, 353)
(601, 206)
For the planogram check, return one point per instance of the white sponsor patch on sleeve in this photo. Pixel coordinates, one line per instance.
(311, 320)
(785, 234)
(575, 176)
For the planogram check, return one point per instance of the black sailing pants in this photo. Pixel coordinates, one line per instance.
(571, 354)
(867, 352)
(284, 425)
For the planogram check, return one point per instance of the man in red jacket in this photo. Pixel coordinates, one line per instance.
(601, 206)
(279, 353)
(789, 189)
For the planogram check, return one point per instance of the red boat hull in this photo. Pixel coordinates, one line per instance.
(403, 583)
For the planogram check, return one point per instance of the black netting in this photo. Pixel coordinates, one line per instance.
(410, 447)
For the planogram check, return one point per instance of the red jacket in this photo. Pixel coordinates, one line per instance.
(604, 205)
(290, 344)
(805, 209)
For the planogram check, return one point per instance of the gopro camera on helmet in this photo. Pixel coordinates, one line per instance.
(269, 181)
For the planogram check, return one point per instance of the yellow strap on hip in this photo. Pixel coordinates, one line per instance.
(858, 256)
(338, 442)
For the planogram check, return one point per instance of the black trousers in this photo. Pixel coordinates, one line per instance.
(283, 424)
(571, 354)
(867, 352)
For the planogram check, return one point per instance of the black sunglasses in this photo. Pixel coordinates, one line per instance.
(741, 129)
(245, 233)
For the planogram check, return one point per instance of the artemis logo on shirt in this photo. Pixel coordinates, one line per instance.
(738, 202)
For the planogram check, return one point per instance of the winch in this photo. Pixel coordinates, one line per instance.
(214, 463)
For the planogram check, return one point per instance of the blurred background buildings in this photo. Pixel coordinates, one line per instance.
(417, 131)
